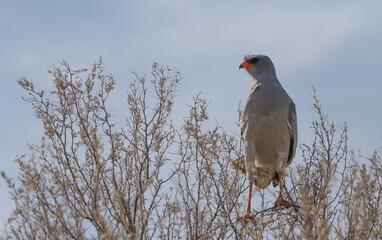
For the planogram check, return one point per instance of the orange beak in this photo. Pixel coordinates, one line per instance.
(245, 64)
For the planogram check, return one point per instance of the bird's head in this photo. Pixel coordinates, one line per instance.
(258, 64)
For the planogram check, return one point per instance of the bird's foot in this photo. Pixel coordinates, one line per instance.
(282, 202)
(246, 217)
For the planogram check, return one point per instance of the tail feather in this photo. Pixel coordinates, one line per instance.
(239, 166)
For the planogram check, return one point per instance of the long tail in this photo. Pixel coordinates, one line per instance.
(239, 166)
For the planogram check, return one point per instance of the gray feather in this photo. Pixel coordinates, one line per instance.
(268, 125)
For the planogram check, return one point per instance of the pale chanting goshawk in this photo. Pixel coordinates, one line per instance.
(268, 127)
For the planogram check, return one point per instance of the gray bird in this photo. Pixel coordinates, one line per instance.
(268, 127)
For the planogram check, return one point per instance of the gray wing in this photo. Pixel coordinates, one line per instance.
(243, 124)
(239, 163)
(244, 115)
(292, 125)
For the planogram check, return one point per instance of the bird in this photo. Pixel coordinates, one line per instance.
(268, 126)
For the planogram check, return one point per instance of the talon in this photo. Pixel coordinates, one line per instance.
(281, 202)
(247, 216)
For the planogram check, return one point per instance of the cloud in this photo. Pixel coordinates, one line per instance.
(187, 33)
(307, 34)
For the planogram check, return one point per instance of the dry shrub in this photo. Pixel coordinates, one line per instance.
(91, 178)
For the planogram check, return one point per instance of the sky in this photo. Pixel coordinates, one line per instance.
(333, 46)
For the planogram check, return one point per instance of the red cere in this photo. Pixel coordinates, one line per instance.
(245, 64)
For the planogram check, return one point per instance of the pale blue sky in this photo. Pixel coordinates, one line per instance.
(335, 47)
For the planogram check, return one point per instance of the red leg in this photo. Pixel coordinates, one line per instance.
(248, 214)
(249, 200)
(280, 201)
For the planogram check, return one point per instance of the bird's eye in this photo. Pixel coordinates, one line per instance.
(253, 60)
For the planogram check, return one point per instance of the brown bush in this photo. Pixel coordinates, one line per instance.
(91, 178)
